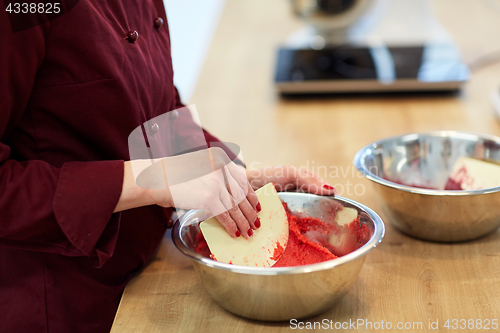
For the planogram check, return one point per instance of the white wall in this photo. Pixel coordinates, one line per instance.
(192, 25)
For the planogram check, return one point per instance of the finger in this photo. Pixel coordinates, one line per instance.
(285, 178)
(235, 213)
(248, 189)
(247, 210)
(307, 181)
(250, 214)
(326, 189)
(241, 221)
(234, 187)
(227, 221)
(239, 175)
(253, 199)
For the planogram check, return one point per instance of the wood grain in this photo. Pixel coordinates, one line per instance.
(403, 279)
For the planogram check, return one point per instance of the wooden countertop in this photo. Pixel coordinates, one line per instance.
(403, 279)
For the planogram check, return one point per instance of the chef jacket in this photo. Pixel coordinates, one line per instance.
(72, 90)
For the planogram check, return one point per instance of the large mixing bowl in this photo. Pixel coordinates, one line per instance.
(424, 161)
(284, 293)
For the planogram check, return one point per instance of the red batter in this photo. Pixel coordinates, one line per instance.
(426, 187)
(451, 184)
(310, 241)
(300, 250)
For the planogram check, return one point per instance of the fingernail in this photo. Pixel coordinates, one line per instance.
(238, 233)
(328, 187)
(250, 232)
(258, 207)
(257, 223)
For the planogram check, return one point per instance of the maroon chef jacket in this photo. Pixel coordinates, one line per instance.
(71, 91)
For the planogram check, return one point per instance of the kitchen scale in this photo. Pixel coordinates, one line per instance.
(387, 50)
(347, 68)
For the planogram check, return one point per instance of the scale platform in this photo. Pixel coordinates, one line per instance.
(370, 69)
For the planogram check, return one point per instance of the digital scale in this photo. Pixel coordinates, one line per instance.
(368, 46)
(348, 68)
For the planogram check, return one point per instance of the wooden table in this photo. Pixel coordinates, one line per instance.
(403, 279)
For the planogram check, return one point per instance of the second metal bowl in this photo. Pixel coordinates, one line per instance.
(405, 168)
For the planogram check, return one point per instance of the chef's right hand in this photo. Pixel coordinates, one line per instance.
(222, 188)
(226, 193)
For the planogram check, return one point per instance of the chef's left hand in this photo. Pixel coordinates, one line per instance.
(289, 178)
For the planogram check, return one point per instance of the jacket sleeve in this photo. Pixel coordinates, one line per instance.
(67, 210)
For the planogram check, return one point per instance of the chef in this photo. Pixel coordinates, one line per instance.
(74, 227)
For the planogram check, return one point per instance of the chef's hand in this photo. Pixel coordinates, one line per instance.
(225, 192)
(289, 178)
(240, 219)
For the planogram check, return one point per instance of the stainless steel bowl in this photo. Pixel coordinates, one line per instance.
(426, 160)
(284, 293)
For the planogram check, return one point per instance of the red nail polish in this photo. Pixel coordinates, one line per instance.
(257, 223)
(328, 187)
(250, 232)
(238, 233)
(258, 207)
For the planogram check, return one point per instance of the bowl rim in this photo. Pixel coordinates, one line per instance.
(378, 234)
(361, 155)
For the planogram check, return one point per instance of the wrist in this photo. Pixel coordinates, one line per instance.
(133, 196)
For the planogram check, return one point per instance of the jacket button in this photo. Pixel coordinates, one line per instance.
(174, 115)
(132, 36)
(158, 22)
(154, 129)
